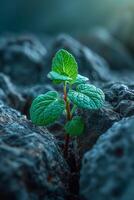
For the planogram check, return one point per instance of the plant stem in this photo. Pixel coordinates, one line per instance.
(69, 116)
(73, 109)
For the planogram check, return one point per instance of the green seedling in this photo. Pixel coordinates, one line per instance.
(77, 93)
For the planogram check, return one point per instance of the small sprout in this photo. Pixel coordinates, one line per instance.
(49, 107)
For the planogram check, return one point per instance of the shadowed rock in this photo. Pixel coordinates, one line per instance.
(121, 97)
(107, 170)
(31, 165)
(9, 93)
(22, 58)
(96, 123)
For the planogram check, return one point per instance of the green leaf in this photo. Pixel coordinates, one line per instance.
(57, 78)
(46, 108)
(81, 79)
(65, 64)
(75, 127)
(87, 96)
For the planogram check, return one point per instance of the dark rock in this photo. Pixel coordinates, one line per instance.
(36, 90)
(22, 58)
(31, 166)
(9, 94)
(125, 108)
(107, 170)
(96, 123)
(121, 97)
(90, 64)
(111, 49)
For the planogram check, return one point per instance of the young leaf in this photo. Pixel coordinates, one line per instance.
(57, 78)
(75, 127)
(46, 108)
(65, 64)
(81, 79)
(87, 96)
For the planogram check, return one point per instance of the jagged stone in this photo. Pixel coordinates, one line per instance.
(107, 170)
(31, 165)
(96, 123)
(22, 58)
(121, 97)
(9, 93)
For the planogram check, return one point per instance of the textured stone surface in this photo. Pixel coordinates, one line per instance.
(121, 98)
(9, 93)
(22, 58)
(31, 165)
(96, 123)
(107, 170)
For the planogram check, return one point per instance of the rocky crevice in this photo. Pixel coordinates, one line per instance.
(32, 165)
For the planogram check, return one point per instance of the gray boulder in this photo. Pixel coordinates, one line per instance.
(121, 97)
(9, 93)
(97, 122)
(22, 58)
(107, 170)
(31, 166)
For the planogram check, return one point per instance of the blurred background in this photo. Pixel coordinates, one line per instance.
(72, 16)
